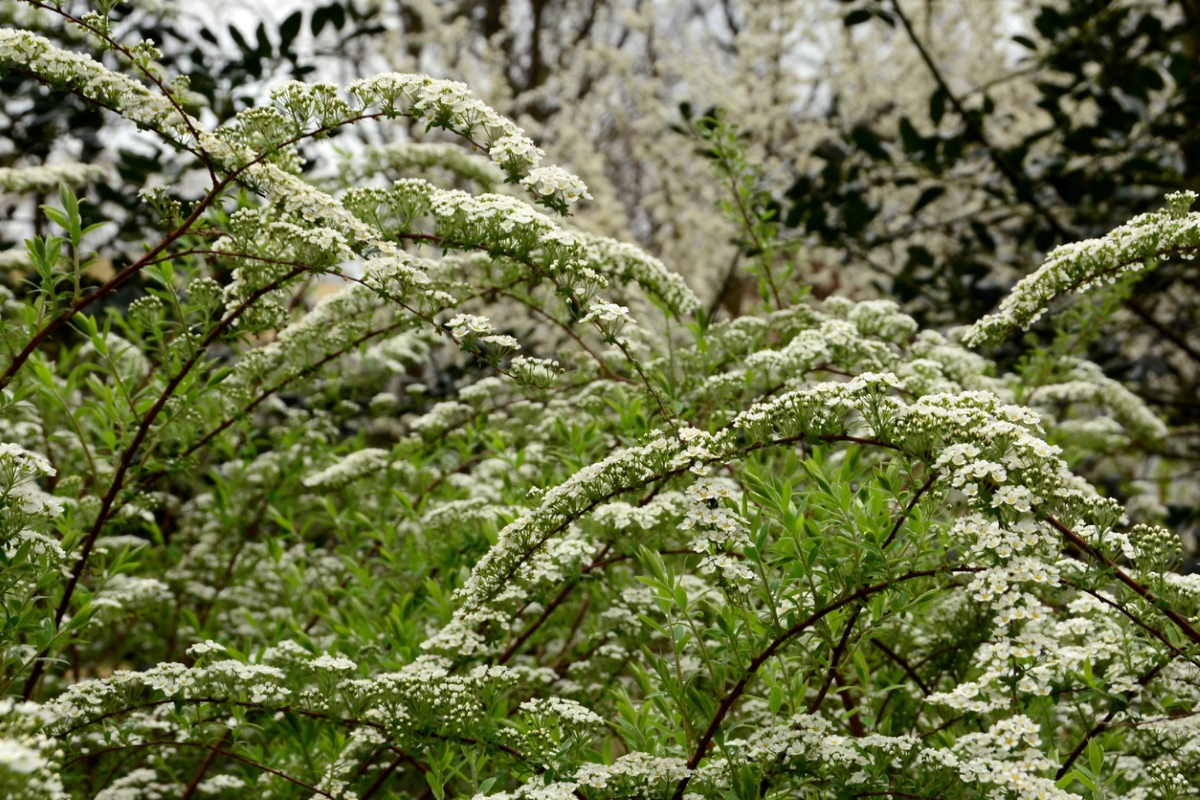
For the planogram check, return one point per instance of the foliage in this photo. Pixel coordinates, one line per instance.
(509, 515)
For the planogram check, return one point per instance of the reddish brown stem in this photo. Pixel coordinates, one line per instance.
(731, 697)
(908, 511)
(903, 664)
(1104, 723)
(383, 776)
(1180, 621)
(127, 459)
(110, 286)
(834, 660)
(204, 766)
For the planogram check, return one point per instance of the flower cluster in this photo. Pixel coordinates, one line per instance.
(70, 70)
(537, 372)
(423, 156)
(608, 317)
(19, 471)
(450, 105)
(29, 759)
(354, 466)
(718, 531)
(555, 187)
(47, 177)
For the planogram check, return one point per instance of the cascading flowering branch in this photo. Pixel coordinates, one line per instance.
(300, 109)
(358, 547)
(1076, 267)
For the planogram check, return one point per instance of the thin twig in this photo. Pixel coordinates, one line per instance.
(911, 505)
(204, 765)
(731, 697)
(834, 660)
(1180, 621)
(903, 664)
(127, 460)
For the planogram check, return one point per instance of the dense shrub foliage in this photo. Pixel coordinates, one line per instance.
(403, 488)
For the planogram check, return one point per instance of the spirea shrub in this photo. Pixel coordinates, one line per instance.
(507, 516)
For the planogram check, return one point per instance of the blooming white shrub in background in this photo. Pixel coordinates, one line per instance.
(359, 547)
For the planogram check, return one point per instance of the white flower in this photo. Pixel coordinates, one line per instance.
(464, 325)
(333, 663)
(204, 648)
(608, 317)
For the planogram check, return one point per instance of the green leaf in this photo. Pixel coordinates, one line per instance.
(100, 344)
(818, 476)
(653, 562)
(927, 197)
(908, 134)
(857, 17)
(869, 142)
(435, 785)
(1087, 780)
(1096, 756)
(775, 701)
(937, 106)
(1066, 780)
(288, 30)
(57, 217)
(43, 373)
